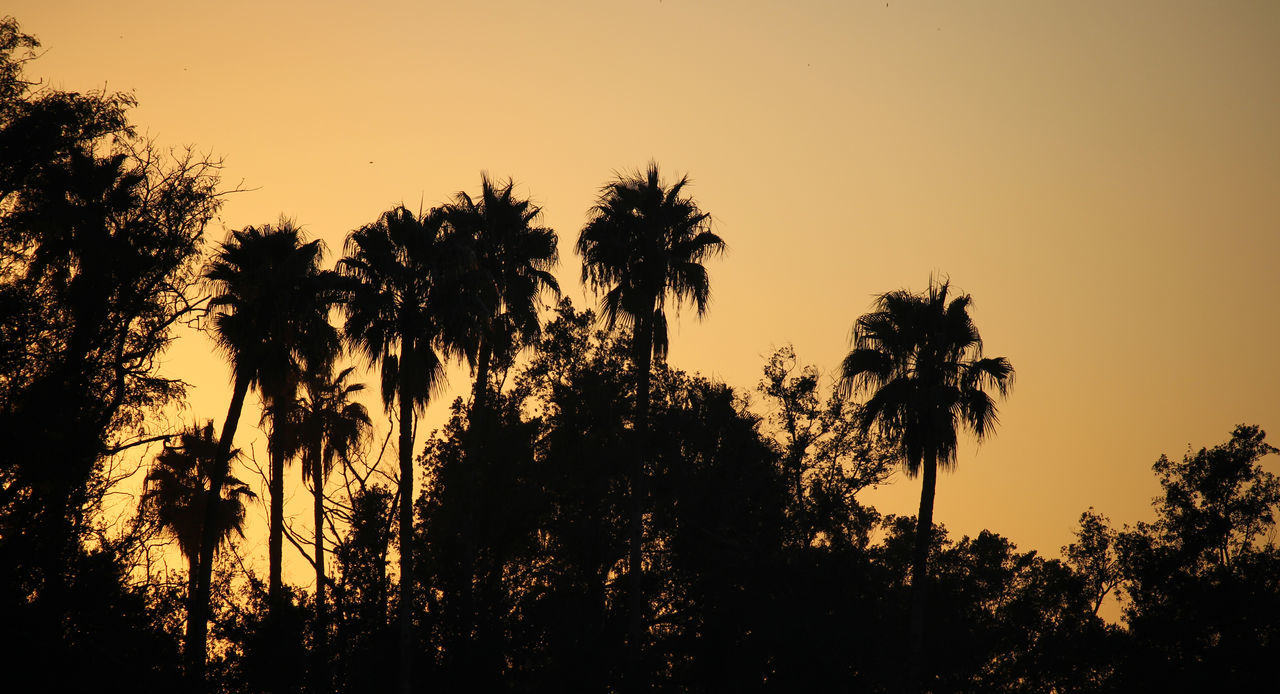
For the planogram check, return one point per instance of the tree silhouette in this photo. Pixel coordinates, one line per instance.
(404, 314)
(644, 242)
(919, 358)
(100, 242)
(1202, 583)
(177, 493)
(826, 457)
(325, 426)
(516, 257)
(270, 307)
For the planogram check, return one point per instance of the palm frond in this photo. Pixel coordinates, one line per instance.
(919, 359)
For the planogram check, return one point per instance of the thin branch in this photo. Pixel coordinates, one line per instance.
(140, 442)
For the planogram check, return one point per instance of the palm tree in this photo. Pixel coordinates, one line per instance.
(177, 491)
(405, 314)
(324, 425)
(515, 258)
(644, 243)
(919, 358)
(270, 313)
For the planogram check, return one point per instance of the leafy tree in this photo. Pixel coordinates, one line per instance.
(1202, 583)
(481, 509)
(261, 648)
(644, 242)
(1012, 621)
(572, 622)
(826, 457)
(1093, 556)
(270, 313)
(919, 358)
(364, 653)
(551, 530)
(100, 234)
(405, 314)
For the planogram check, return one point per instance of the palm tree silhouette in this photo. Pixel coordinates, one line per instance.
(516, 257)
(644, 243)
(270, 313)
(324, 426)
(177, 492)
(405, 314)
(919, 357)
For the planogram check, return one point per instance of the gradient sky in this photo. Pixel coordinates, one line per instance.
(1102, 177)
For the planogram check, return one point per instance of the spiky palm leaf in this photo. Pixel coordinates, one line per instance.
(271, 304)
(403, 308)
(177, 490)
(515, 257)
(644, 243)
(919, 359)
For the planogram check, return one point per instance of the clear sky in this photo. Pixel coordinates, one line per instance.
(1102, 177)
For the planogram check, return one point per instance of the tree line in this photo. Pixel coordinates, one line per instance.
(590, 518)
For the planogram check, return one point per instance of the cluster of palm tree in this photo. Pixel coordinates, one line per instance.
(463, 282)
(459, 282)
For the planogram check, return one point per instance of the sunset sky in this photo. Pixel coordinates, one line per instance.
(1102, 177)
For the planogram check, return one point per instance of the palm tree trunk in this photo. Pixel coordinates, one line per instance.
(643, 350)
(322, 681)
(919, 571)
(275, 552)
(483, 359)
(467, 566)
(406, 531)
(198, 607)
(193, 577)
(275, 539)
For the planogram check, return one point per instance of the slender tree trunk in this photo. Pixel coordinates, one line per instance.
(198, 608)
(480, 396)
(406, 531)
(275, 538)
(275, 555)
(919, 572)
(469, 642)
(193, 578)
(643, 350)
(322, 680)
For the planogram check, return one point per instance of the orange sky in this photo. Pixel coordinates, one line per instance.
(1103, 178)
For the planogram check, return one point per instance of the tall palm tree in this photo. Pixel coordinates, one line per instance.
(177, 491)
(270, 313)
(324, 426)
(406, 315)
(644, 243)
(919, 358)
(515, 257)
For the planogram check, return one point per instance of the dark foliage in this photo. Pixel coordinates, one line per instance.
(1203, 581)
(566, 493)
(100, 235)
